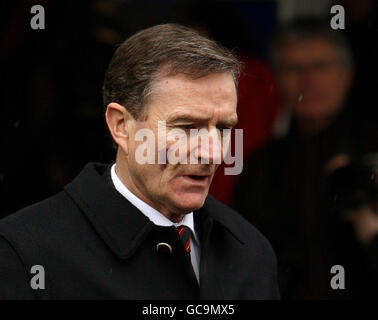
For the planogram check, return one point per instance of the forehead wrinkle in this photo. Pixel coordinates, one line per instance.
(183, 86)
(198, 108)
(181, 95)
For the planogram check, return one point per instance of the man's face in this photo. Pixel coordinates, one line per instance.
(312, 79)
(183, 103)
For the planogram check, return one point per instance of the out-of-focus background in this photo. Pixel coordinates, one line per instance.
(307, 105)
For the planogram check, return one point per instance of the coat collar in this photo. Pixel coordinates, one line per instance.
(121, 225)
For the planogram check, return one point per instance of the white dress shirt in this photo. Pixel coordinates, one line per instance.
(159, 219)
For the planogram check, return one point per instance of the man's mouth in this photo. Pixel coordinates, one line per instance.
(199, 180)
(197, 177)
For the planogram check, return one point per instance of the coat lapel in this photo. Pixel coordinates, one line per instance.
(213, 223)
(121, 225)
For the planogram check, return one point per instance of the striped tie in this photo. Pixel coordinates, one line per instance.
(184, 233)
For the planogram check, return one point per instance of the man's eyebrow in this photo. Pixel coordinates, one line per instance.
(187, 117)
(229, 123)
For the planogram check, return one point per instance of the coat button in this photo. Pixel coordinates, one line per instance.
(163, 247)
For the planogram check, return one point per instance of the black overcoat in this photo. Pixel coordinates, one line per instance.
(94, 244)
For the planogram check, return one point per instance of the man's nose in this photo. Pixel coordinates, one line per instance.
(209, 147)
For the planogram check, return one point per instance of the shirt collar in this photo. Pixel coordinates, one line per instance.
(121, 225)
(155, 216)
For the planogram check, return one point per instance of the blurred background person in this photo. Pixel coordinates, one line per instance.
(283, 186)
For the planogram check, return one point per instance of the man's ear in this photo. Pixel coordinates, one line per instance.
(118, 120)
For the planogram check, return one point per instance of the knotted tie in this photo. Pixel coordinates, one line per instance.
(184, 233)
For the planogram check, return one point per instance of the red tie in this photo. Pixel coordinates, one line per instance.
(184, 233)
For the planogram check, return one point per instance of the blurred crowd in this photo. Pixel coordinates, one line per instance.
(293, 188)
(307, 107)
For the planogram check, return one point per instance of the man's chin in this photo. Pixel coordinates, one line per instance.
(191, 202)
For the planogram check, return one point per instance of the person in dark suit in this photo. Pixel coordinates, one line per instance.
(143, 227)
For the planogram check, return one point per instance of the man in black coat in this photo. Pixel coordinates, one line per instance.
(145, 227)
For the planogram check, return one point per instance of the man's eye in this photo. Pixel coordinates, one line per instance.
(221, 128)
(187, 126)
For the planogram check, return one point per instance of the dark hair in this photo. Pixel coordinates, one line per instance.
(308, 28)
(161, 50)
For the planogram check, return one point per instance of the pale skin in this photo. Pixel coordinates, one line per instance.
(174, 190)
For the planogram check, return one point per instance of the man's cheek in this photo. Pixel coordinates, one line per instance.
(143, 147)
(177, 147)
